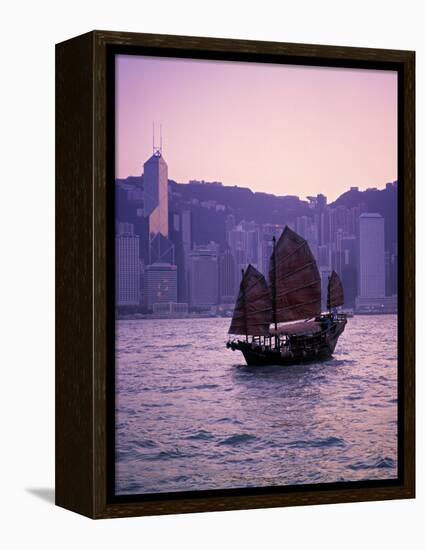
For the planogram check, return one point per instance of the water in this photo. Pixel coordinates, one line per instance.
(190, 415)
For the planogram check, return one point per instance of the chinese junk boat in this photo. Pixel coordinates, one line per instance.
(282, 320)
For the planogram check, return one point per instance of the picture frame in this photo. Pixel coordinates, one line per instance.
(85, 345)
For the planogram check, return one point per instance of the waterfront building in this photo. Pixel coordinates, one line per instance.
(302, 225)
(160, 283)
(127, 266)
(265, 245)
(252, 246)
(238, 244)
(266, 250)
(237, 239)
(181, 237)
(348, 268)
(272, 230)
(186, 233)
(382, 304)
(171, 309)
(204, 276)
(391, 267)
(227, 272)
(371, 256)
(155, 208)
(324, 255)
(325, 273)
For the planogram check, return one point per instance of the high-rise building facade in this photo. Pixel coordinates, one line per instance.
(325, 273)
(127, 266)
(204, 276)
(181, 237)
(160, 284)
(186, 238)
(237, 239)
(155, 209)
(252, 246)
(348, 269)
(265, 245)
(371, 256)
(227, 273)
(155, 185)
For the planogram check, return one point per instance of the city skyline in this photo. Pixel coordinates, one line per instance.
(254, 125)
(258, 269)
(171, 262)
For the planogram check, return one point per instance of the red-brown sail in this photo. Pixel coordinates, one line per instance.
(253, 309)
(294, 279)
(335, 291)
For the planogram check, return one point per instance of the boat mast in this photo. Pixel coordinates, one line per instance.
(328, 301)
(244, 305)
(274, 291)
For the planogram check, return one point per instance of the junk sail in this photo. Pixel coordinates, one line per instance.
(293, 295)
(253, 310)
(335, 291)
(294, 279)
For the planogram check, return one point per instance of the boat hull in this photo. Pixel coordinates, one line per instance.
(304, 349)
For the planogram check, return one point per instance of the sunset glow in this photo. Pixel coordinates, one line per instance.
(287, 130)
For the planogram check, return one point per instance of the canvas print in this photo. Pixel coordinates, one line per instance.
(256, 263)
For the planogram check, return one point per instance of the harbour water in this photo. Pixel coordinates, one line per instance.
(190, 415)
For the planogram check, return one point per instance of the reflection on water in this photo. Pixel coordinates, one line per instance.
(191, 415)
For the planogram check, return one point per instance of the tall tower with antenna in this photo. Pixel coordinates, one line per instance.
(155, 184)
(157, 151)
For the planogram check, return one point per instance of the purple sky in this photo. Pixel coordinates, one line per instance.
(273, 128)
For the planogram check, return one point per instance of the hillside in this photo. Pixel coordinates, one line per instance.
(211, 203)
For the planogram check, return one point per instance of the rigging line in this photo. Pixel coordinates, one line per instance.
(243, 319)
(253, 312)
(295, 251)
(259, 304)
(256, 306)
(256, 281)
(263, 291)
(294, 306)
(292, 290)
(312, 263)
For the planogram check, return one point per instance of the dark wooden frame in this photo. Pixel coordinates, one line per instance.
(82, 348)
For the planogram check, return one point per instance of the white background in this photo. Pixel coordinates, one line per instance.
(29, 31)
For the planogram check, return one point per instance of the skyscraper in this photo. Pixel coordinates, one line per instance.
(325, 273)
(252, 245)
(268, 231)
(186, 236)
(302, 225)
(155, 195)
(227, 277)
(266, 250)
(186, 230)
(160, 284)
(127, 266)
(348, 273)
(181, 236)
(237, 239)
(204, 276)
(155, 183)
(371, 256)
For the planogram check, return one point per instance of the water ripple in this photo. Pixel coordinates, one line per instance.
(238, 439)
(191, 417)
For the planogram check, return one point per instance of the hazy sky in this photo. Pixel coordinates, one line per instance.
(275, 128)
